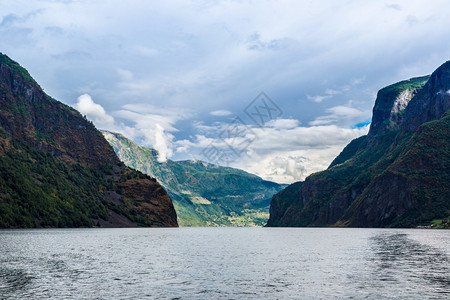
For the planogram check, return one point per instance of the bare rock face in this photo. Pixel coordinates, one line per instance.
(391, 103)
(57, 170)
(401, 102)
(396, 176)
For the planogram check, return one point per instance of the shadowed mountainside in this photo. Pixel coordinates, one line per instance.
(396, 176)
(57, 170)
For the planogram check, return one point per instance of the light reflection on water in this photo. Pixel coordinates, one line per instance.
(224, 263)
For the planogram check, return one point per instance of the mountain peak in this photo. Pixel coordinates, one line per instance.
(396, 176)
(57, 170)
(16, 68)
(431, 102)
(204, 194)
(391, 102)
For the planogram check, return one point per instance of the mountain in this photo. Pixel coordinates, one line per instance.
(57, 170)
(203, 194)
(396, 176)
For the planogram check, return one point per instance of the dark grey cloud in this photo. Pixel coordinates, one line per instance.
(8, 20)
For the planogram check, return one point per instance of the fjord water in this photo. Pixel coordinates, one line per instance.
(224, 263)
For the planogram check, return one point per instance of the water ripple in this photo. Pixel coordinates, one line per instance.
(224, 263)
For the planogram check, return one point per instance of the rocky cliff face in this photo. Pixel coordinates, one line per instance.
(432, 101)
(398, 175)
(391, 102)
(204, 194)
(57, 170)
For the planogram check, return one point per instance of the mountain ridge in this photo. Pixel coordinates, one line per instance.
(57, 170)
(396, 176)
(204, 194)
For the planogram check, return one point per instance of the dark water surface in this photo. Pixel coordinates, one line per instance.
(224, 263)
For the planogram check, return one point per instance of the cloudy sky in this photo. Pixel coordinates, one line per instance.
(186, 77)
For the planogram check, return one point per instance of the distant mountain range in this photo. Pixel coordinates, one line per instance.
(398, 175)
(57, 170)
(203, 194)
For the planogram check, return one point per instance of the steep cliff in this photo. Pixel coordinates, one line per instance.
(396, 176)
(203, 194)
(57, 170)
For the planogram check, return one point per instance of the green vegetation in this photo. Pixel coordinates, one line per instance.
(384, 116)
(42, 136)
(390, 178)
(441, 223)
(16, 68)
(39, 190)
(390, 93)
(425, 161)
(57, 170)
(203, 194)
(349, 151)
(248, 218)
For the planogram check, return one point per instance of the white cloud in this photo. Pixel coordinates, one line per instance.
(318, 98)
(283, 151)
(330, 93)
(146, 51)
(342, 114)
(125, 74)
(152, 126)
(282, 123)
(357, 81)
(291, 165)
(93, 111)
(162, 144)
(286, 168)
(146, 120)
(214, 57)
(394, 6)
(288, 155)
(220, 113)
